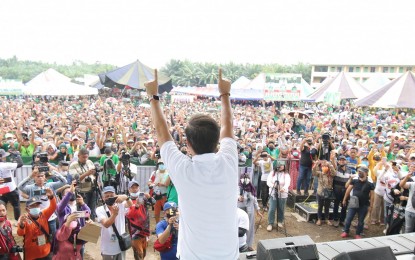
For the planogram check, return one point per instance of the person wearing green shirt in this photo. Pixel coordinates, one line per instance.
(171, 191)
(109, 167)
(27, 146)
(273, 152)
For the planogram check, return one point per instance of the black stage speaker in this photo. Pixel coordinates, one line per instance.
(300, 247)
(384, 253)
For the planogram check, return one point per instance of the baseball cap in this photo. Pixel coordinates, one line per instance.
(363, 168)
(412, 155)
(342, 157)
(32, 201)
(75, 138)
(108, 189)
(3, 153)
(131, 183)
(168, 205)
(9, 135)
(130, 141)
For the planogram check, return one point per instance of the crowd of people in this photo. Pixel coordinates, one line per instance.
(361, 160)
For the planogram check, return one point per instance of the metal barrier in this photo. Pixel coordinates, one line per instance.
(142, 174)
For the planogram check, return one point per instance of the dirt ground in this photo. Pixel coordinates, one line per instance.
(294, 227)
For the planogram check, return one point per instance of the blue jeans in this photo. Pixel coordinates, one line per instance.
(304, 177)
(409, 222)
(280, 211)
(361, 213)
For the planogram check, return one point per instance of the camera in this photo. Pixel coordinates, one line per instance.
(326, 137)
(379, 129)
(157, 153)
(125, 157)
(43, 158)
(16, 249)
(41, 192)
(43, 168)
(264, 155)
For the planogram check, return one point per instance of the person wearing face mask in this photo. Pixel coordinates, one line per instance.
(139, 220)
(382, 170)
(376, 153)
(248, 202)
(325, 172)
(343, 174)
(278, 182)
(293, 167)
(306, 163)
(34, 227)
(8, 188)
(112, 212)
(71, 202)
(160, 189)
(70, 247)
(273, 152)
(264, 161)
(7, 243)
(363, 189)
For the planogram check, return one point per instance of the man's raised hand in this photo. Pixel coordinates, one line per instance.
(224, 85)
(152, 86)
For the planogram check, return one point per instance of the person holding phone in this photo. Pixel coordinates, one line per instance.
(68, 246)
(139, 219)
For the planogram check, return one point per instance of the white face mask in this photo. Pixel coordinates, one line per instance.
(245, 181)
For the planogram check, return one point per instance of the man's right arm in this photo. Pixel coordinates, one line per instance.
(224, 86)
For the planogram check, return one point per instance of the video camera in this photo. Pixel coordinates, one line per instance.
(43, 158)
(324, 150)
(16, 249)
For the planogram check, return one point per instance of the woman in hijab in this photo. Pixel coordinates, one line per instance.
(247, 201)
(67, 237)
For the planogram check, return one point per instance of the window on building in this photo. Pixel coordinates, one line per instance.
(366, 69)
(408, 68)
(372, 69)
(357, 79)
(339, 69)
(364, 80)
(385, 69)
(351, 69)
(332, 69)
(321, 68)
(392, 69)
(400, 69)
(357, 69)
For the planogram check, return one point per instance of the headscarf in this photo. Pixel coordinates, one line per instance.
(246, 187)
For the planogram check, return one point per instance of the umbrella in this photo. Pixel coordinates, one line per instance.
(111, 100)
(134, 75)
(301, 115)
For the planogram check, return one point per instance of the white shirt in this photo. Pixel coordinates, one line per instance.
(409, 206)
(208, 188)
(109, 245)
(7, 171)
(243, 222)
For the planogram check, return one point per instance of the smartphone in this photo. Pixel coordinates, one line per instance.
(82, 214)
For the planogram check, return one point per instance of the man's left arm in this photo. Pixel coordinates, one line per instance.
(158, 119)
(224, 86)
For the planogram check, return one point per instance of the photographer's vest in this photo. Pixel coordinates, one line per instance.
(85, 185)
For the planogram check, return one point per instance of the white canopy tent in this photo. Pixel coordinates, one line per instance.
(53, 83)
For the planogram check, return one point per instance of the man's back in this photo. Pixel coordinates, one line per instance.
(208, 188)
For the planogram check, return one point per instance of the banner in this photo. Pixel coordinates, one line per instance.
(282, 87)
(332, 98)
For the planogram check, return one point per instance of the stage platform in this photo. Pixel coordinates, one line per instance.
(293, 198)
(402, 246)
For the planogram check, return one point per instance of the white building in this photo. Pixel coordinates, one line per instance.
(319, 72)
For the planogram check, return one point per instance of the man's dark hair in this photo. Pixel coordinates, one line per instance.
(83, 151)
(202, 133)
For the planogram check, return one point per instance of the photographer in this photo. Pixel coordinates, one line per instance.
(38, 189)
(264, 161)
(34, 227)
(167, 231)
(112, 213)
(124, 170)
(109, 162)
(159, 186)
(84, 172)
(139, 219)
(325, 172)
(306, 162)
(8, 248)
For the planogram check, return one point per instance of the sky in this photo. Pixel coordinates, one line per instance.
(219, 31)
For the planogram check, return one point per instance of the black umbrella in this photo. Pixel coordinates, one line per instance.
(134, 75)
